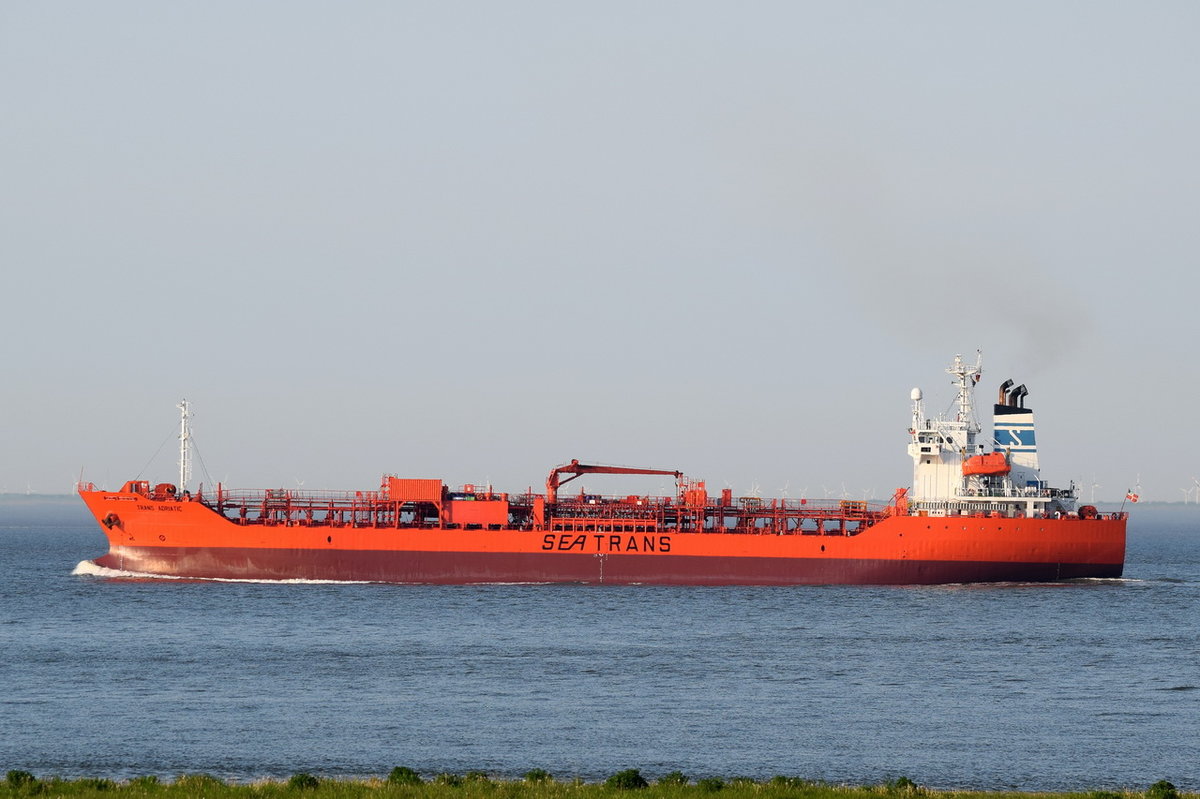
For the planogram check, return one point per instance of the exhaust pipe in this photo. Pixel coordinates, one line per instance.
(1004, 387)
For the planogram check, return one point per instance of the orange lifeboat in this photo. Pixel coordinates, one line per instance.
(991, 463)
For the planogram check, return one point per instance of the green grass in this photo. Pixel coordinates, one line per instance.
(405, 783)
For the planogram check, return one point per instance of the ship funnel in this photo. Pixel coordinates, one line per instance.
(1004, 387)
(1015, 435)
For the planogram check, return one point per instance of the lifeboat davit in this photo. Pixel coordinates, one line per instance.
(991, 463)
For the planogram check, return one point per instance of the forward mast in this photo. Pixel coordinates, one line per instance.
(185, 445)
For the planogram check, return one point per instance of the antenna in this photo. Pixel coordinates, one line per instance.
(185, 445)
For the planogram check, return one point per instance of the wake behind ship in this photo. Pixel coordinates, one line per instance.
(977, 511)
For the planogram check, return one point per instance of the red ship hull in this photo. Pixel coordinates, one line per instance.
(459, 568)
(190, 539)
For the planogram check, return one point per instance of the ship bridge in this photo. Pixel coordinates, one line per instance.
(957, 471)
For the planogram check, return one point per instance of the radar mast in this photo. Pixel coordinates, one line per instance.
(965, 379)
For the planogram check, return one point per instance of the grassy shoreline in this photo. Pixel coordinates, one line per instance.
(405, 783)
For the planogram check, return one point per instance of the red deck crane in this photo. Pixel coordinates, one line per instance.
(577, 469)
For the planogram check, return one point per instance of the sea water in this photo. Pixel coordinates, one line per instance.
(1081, 685)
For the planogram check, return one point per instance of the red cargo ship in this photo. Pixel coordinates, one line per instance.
(977, 511)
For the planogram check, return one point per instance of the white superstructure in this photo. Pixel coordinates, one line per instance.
(956, 471)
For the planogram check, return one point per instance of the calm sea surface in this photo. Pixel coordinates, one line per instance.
(1069, 686)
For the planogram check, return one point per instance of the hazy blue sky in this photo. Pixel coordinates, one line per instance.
(475, 240)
